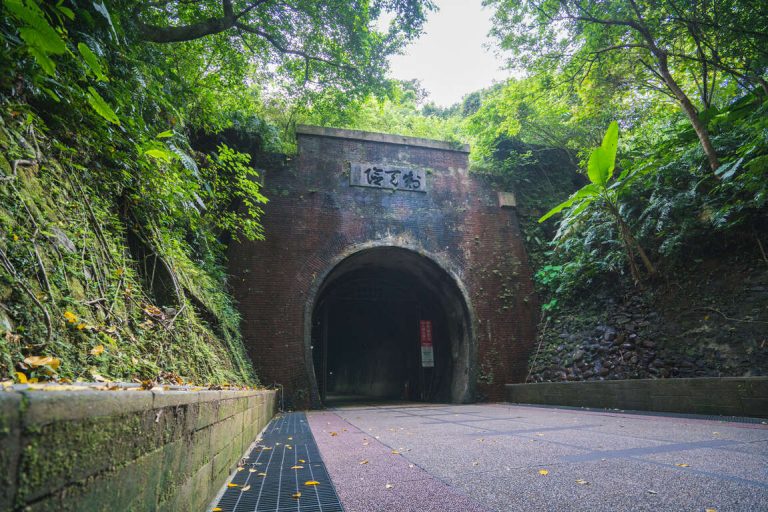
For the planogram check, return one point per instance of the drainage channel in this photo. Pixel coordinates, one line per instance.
(284, 472)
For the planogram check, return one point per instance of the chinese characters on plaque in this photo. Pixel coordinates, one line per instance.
(387, 176)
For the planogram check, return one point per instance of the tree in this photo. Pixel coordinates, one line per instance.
(317, 42)
(653, 43)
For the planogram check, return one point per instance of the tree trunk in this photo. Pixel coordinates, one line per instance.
(763, 84)
(693, 116)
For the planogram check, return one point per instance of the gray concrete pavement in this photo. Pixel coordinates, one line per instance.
(424, 457)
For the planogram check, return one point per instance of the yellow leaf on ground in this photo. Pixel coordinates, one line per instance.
(262, 474)
(240, 468)
(290, 439)
(217, 509)
(245, 488)
(266, 448)
(710, 510)
(395, 452)
(297, 467)
(334, 434)
(21, 378)
(582, 482)
(543, 472)
(296, 495)
(36, 361)
(230, 484)
(97, 350)
(683, 465)
(70, 317)
(364, 461)
(252, 470)
(311, 482)
(302, 461)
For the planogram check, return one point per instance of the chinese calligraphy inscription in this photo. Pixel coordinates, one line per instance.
(387, 176)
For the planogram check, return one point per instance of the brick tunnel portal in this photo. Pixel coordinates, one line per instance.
(391, 324)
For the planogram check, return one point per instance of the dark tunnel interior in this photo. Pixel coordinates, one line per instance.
(389, 325)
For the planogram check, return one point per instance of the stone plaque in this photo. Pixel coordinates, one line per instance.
(387, 176)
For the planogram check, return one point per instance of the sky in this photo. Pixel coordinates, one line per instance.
(449, 58)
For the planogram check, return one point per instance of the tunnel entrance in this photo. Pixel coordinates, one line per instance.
(390, 324)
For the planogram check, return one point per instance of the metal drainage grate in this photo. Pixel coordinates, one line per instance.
(286, 442)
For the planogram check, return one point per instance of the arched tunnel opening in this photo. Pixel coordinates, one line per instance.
(391, 324)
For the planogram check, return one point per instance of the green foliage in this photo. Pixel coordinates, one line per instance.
(233, 194)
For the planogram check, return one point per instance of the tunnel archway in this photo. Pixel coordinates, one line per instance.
(388, 323)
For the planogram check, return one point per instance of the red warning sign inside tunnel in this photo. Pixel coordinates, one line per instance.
(427, 353)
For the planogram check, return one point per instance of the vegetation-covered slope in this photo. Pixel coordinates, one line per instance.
(113, 224)
(112, 227)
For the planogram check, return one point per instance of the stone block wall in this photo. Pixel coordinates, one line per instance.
(728, 396)
(123, 450)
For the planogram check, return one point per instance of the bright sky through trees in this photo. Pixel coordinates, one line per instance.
(450, 59)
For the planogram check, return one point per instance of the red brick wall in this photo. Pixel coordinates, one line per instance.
(314, 216)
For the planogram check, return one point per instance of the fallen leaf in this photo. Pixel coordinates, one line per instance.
(582, 482)
(230, 484)
(649, 491)
(296, 495)
(290, 439)
(302, 461)
(540, 435)
(710, 510)
(21, 378)
(543, 472)
(36, 361)
(364, 461)
(395, 452)
(262, 474)
(217, 509)
(97, 350)
(245, 488)
(266, 448)
(70, 317)
(297, 467)
(334, 434)
(97, 377)
(252, 470)
(311, 482)
(683, 465)
(388, 486)
(240, 468)
(476, 463)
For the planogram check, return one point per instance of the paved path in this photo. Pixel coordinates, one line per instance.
(490, 456)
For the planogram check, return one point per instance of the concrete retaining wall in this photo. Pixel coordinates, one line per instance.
(736, 396)
(123, 450)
